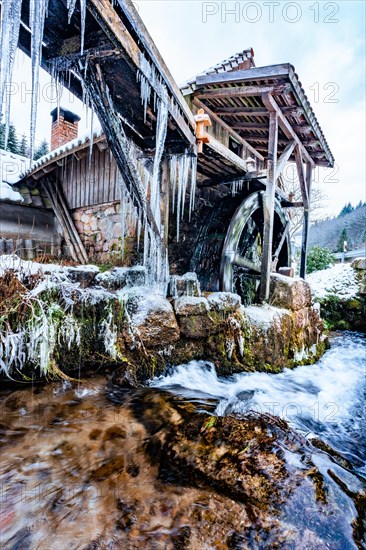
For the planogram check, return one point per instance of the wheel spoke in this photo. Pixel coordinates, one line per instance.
(251, 235)
(244, 262)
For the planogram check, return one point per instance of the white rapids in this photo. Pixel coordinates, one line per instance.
(325, 400)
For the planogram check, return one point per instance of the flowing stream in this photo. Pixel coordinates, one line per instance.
(326, 400)
(82, 465)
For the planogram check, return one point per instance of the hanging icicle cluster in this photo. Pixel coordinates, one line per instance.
(155, 258)
(236, 186)
(10, 25)
(182, 167)
(182, 171)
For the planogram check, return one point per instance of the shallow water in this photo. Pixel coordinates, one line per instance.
(77, 473)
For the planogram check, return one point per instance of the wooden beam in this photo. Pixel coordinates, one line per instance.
(269, 206)
(305, 227)
(225, 152)
(226, 127)
(107, 17)
(119, 143)
(246, 75)
(248, 126)
(286, 127)
(241, 111)
(237, 91)
(60, 207)
(111, 23)
(301, 174)
(286, 154)
(248, 177)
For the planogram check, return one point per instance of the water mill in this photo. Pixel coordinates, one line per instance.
(182, 344)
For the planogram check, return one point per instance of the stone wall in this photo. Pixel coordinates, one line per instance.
(100, 229)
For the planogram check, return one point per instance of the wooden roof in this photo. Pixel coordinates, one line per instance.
(236, 98)
(117, 38)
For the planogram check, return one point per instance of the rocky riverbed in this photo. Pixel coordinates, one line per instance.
(93, 465)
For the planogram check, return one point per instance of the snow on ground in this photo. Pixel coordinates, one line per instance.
(340, 279)
(26, 267)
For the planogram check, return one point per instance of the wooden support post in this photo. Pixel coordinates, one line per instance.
(284, 157)
(60, 207)
(302, 177)
(269, 204)
(305, 227)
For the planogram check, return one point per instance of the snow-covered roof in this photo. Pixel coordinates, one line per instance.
(229, 64)
(11, 168)
(62, 151)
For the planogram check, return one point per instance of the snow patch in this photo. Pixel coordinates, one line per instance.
(264, 316)
(340, 279)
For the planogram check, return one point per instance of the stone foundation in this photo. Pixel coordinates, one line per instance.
(100, 229)
(109, 322)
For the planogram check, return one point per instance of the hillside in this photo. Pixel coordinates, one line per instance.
(349, 226)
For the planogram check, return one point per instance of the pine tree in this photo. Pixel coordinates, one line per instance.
(23, 147)
(12, 144)
(343, 237)
(347, 208)
(318, 258)
(42, 150)
(2, 135)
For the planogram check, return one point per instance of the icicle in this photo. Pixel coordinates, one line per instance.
(123, 219)
(193, 186)
(173, 179)
(10, 23)
(38, 10)
(91, 138)
(139, 227)
(161, 131)
(71, 8)
(83, 17)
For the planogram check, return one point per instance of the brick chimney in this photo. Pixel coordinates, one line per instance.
(64, 127)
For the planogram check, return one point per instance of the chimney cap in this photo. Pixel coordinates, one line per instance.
(65, 113)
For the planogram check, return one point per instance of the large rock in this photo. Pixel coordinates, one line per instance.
(185, 285)
(225, 302)
(359, 263)
(151, 318)
(120, 277)
(189, 305)
(193, 317)
(289, 293)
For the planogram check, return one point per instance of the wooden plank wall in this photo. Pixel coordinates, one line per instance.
(88, 182)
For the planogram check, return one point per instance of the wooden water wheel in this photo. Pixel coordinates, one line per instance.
(229, 251)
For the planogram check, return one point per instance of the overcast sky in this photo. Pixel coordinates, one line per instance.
(323, 40)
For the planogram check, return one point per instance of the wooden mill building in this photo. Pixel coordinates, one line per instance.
(227, 135)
